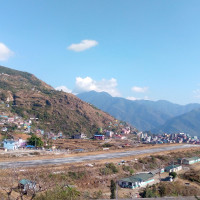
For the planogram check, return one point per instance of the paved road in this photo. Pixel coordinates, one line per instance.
(91, 158)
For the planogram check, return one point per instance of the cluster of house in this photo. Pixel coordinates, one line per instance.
(48, 135)
(103, 134)
(17, 121)
(142, 179)
(168, 138)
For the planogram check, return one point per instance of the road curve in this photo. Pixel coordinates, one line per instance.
(90, 158)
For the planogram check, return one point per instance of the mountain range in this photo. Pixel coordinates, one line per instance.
(28, 96)
(155, 116)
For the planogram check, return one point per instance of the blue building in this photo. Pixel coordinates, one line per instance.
(10, 144)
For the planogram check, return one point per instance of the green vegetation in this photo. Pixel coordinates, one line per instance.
(109, 169)
(76, 175)
(169, 189)
(112, 167)
(35, 141)
(97, 195)
(60, 193)
(148, 193)
(107, 145)
(173, 174)
(112, 189)
(128, 169)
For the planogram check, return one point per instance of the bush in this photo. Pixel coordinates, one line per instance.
(112, 167)
(35, 153)
(66, 193)
(76, 175)
(109, 169)
(107, 145)
(105, 171)
(126, 168)
(148, 193)
(173, 174)
(97, 195)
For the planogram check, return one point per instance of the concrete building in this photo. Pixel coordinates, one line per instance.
(138, 180)
(99, 137)
(10, 144)
(109, 134)
(173, 168)
(190, 161)
(26, 185)
(79, 136)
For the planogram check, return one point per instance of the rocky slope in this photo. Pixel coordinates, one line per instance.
(57, 111)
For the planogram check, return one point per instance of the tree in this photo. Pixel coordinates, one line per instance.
(173, 174)
(35, 141)
(112, 189)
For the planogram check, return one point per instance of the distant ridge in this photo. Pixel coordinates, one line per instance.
(143, 114)
(187, 123)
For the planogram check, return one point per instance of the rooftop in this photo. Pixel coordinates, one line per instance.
(172, 167)
(25, 182)
(138, 177)
(193, 158)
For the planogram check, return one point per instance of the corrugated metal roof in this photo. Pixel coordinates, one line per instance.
(193, 158)
(25, 181)
(171, 167)
(138, 177)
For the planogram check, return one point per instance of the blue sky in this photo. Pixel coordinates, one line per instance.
(136, 49)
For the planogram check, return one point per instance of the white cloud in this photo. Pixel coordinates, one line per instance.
(197, 93)
(64, 89)
(135, 98)
(132, 98)
(83, 45)
(139, 89)
(88, 84)
(5, 52)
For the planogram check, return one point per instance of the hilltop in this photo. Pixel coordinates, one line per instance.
(27, 96)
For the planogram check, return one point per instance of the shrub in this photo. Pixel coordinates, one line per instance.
(66, 193)
(173, 174)
(112, 167)
(107, 145)
(76, 175)
(148, 193)
(105, 171)
(98, 194)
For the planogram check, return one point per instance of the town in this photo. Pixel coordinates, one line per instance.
(15, 131)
